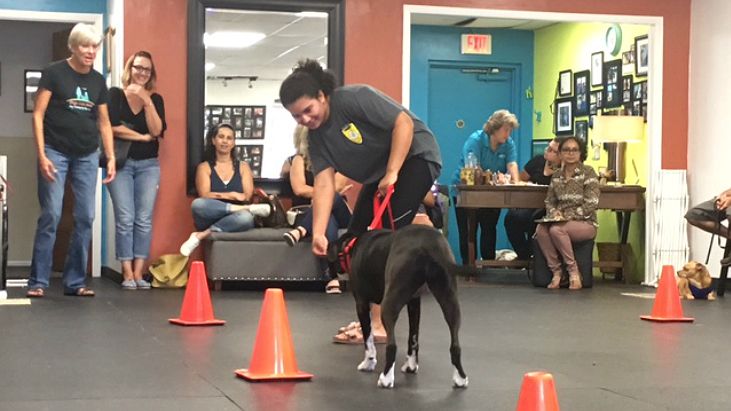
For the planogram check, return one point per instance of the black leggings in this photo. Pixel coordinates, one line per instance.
(414, 181)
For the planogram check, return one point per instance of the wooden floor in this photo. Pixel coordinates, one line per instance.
(117, 351)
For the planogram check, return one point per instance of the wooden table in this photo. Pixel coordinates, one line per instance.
(621, 199)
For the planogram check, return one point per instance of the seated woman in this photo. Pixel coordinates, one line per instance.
(302, 180)
(225, 186)
(571, 202)
(709, 215)
(520, 222)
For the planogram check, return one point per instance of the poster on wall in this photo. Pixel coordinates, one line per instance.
(252, 155)
(564, 116)
(612, 84)
(581, 92)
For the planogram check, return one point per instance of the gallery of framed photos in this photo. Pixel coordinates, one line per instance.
(248, 123)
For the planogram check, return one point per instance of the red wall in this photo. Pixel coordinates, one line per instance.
(160, 27)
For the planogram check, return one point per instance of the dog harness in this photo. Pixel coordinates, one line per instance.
(379, 207)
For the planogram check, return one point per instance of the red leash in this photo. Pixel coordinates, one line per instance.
(379, 207)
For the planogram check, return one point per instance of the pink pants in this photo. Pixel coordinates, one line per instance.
(555, 239)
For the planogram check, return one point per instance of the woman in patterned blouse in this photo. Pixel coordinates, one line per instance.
(571, 202)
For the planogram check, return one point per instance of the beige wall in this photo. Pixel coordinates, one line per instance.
(22, 199)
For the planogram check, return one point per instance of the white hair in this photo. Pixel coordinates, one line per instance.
(83, 33)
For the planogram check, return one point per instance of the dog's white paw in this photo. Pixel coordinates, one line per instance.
(460, 382)
(386, 380)
(368, 364)
(410, 366)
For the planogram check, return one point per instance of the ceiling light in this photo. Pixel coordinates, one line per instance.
(312, 14)
(231, 39)
(210, 66)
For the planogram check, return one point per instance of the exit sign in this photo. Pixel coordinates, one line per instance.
(476, 44)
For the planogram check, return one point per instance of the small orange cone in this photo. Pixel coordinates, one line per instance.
(667, 306)
(273, 357)
(537, 393)
(197, 308)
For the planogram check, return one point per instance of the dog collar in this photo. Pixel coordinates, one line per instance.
(344, 256)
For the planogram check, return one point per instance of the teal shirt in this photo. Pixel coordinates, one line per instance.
(498, 160)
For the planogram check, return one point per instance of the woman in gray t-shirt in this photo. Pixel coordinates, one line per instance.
(361, 133)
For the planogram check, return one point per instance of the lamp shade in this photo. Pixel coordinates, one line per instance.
(618, 129)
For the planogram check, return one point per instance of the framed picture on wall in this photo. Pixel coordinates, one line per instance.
(564, 83)
(642, 59)
(582, 129)
(626, 89)
(564, 116)
(639, 90)
(612, 86)
(30, 86)
(597, 66)
(581, 92)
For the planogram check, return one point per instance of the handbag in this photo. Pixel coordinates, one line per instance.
(296, 213)
(121, 151)
(169, 271)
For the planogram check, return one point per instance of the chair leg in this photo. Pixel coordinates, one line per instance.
(721, 288)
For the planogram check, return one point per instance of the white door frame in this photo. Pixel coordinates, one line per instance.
(654, 116)
(96, 20)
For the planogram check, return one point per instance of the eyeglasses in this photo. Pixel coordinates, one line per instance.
(570, 150)
(550, 150)
(143, 69)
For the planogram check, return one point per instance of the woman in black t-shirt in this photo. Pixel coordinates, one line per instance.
(70, 112)
(137, 114)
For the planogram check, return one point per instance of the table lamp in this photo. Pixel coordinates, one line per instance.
(616, 132)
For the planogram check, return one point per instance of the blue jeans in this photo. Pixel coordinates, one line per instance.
(82, 171)
(133, 193)
(217, 215)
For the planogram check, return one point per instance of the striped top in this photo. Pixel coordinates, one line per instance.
(574, 198)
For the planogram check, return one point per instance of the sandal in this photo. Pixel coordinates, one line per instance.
(555, 282)
(35, 293)
(352, 326)
(291, 238)
(333, 287)
(575, 282)
(81, 292)
(355, 336)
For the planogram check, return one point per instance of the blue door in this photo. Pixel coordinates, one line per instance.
(460, 99)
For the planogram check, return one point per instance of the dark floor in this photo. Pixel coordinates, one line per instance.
(117, 352)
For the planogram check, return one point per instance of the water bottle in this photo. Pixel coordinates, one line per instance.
(471, 161)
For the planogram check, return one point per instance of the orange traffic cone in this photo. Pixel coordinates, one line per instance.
(197, 308)
(273, 357)
(537, 393)
(667, 306)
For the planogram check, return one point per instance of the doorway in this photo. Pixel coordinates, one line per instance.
(474, 91)
(654, 115)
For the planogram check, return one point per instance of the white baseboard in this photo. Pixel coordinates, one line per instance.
(18, 263)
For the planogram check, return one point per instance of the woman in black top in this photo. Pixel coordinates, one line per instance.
(225, 186)
(137, 114)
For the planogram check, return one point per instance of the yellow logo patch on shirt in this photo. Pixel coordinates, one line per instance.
(351, 132)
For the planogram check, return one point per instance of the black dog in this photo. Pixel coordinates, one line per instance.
(391, 268)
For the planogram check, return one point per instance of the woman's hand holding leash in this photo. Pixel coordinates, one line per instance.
(388, 180)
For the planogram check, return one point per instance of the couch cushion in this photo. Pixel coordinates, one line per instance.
(255, 234)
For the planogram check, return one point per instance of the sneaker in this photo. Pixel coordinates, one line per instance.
(260, 210)
(129, 285)
(189, 245)
(143, 285)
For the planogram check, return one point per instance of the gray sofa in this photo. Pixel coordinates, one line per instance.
(260, 254)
